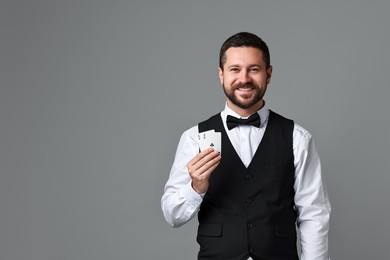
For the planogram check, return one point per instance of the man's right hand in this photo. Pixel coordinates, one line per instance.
(201, 167)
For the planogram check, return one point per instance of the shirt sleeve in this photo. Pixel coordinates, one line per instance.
(311, 198)
(180, 202)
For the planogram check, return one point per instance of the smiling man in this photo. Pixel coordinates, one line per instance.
(262, 184)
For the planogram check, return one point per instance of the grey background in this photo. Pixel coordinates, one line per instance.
(95, 95)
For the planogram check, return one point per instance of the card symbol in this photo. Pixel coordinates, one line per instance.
(212, 145)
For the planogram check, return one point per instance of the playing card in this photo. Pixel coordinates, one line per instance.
(210, 139)
(203, 139)
(215, 141)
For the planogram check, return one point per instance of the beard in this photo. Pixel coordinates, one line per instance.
(258, 95)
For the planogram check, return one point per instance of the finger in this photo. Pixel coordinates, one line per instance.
(200, 156)
(204, 161)
(210, 166)
(204, 165)
(200, 181)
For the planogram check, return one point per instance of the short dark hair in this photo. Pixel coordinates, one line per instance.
(244, 39)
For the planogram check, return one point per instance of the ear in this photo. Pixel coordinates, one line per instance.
(269, 74)
(220, 73)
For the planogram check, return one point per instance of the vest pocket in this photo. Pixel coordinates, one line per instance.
(285, 231)
(210, 230)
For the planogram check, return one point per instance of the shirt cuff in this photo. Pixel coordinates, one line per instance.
(193, 198)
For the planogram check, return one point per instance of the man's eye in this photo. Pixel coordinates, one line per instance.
(255, 69)
(234, 69)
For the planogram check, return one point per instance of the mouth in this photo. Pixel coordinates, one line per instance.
(245, 89)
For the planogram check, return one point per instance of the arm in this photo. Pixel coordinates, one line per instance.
(311, 198)
(188, 179)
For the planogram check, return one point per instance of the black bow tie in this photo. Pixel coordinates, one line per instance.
(253, 120)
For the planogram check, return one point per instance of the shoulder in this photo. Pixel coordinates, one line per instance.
(279, 117)
(188, 143)
(210, 123)
(190, 133)
(298, 130)
(212, 118)
(194, 130)
(301, 132)
(302, 139)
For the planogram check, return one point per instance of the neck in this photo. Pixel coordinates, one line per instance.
(245, 112)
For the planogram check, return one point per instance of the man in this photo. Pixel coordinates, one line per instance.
(265, 182)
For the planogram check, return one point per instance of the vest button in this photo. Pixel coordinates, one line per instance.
(248, 176)
(249, 201)
(249, 226)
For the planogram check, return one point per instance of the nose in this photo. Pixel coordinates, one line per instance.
(244, 77)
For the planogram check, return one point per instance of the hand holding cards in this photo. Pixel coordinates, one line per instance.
(210, 139)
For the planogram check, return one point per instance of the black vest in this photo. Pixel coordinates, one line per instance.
(251, 211)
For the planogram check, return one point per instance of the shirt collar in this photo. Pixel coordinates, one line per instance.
(263, 113)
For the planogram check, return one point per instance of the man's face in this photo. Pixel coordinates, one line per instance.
(244, 78)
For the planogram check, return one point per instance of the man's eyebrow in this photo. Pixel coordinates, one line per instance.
(239, 66)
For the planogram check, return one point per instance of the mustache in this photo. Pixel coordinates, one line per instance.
(245, 84)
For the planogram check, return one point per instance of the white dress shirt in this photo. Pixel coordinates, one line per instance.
(180, 202)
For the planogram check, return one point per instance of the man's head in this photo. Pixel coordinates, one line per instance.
(244, 39)
(245, 72)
